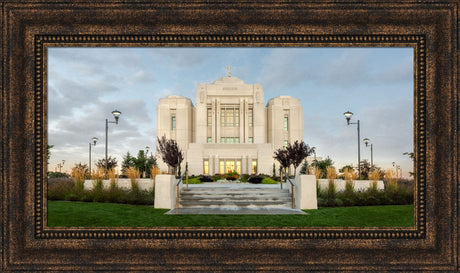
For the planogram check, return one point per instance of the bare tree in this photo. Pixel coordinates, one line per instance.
(170, 153)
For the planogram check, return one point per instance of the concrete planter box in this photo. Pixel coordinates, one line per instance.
(165, 191)
(359, 185)
(123, 183)
(304, 192)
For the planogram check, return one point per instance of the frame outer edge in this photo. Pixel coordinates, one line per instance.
(456, 126)
(2, 143)
(454, 137)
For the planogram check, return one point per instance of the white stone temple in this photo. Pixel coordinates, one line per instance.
(230, 128)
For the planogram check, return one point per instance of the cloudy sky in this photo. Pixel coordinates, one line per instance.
(86, 84)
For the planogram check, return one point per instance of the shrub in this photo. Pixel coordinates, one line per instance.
(216, 177)
(232, 176)
(71, 197)
(59, 187)
(268, 180)
(206, 178)
(255, 179)
(57, 175)
(244, 177)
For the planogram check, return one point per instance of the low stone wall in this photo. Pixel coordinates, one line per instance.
(123, 183)
(359, 185)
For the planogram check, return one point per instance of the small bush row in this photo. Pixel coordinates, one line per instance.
(391, 195)
(66, 189)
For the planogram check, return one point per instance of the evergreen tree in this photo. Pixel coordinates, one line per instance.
(323, 164)
(128, 161)
(111, 163)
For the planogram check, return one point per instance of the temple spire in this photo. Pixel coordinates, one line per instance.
(229, 72)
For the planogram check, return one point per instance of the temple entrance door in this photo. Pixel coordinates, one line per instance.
(230, 165)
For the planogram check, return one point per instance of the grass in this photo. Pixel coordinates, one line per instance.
(194, 180)
(81, 214)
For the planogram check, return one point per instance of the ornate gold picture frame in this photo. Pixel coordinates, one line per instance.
(29, 28)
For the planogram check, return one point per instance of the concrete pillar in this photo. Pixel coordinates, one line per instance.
(213, 120)
(249, 164)
(216, 164)
(218, 125)
(165, 191)
(242, 121)
(305, 192)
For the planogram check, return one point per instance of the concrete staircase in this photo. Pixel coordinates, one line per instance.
(237, 198)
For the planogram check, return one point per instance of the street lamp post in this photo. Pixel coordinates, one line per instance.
(398, 169)
(314, 158)
(116, 114)
(94, 139)
(60, 165)
(366, 141)
(145, 163)
(348, 115)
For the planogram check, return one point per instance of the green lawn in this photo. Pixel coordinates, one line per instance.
(81, 214)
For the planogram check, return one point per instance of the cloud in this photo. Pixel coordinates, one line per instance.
(347, 70)
(282, 70)
(401, 72)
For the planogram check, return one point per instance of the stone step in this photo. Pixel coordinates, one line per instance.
(214, 204)
(228, 191)
(225, 189)
(235, 197)
(246, 198)
(235, 193)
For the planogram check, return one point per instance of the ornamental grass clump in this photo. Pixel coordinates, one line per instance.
(331, 175)
(133, 174)
(113, 176)
(317, 172)
(349, 176)
(392, 182)
(78, 175)
(374, 176)
(153, 172)
(97, 176)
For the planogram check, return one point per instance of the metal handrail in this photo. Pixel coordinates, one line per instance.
(292, 187)
(177, 187)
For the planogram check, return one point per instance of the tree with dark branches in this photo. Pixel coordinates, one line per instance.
(298, 152)
(170, 153)
(282, 156)
(110, 164)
